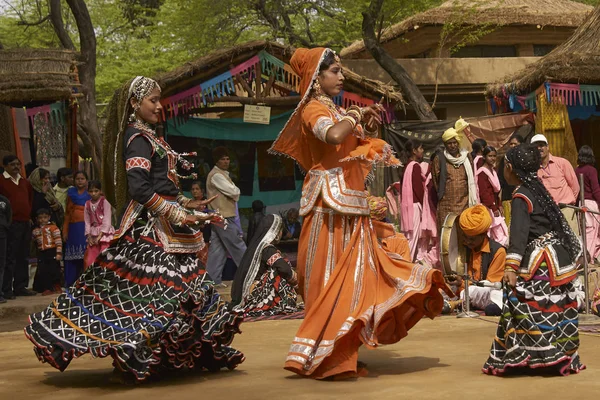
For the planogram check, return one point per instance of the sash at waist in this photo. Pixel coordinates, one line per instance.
(331, 186)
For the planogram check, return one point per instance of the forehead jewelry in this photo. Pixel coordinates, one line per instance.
(141, 87)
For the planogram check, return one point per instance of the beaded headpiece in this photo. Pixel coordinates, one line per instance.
(141, 87)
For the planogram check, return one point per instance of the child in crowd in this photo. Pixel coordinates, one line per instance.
(49, 244)
(98, 227)
(74, 228)
(5, 221)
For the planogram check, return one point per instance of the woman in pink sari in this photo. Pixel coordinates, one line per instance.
(429, 234)
(413, 190)
(489, 190)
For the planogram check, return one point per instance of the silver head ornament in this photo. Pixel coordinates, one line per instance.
(141, 87)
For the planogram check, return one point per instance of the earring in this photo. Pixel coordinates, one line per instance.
(133, 117)
(317, 88)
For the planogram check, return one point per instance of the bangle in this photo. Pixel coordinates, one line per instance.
(372, 133)
(355, 114)
(356, 109)
(349, 119)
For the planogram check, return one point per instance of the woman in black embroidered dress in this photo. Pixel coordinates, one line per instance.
(538, 327)
(264, 282)
(146, 302)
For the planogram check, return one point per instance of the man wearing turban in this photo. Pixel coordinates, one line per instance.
(453, 175)
(485, 259)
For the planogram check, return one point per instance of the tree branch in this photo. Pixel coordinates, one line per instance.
(59, 27)
(22, 22)
(391, 66)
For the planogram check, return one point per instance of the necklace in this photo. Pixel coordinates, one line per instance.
(328, 102)
(144, 126)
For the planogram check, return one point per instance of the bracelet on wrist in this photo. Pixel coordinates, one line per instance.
(349, 119)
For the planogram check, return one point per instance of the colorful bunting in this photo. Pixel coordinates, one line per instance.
(287, 83)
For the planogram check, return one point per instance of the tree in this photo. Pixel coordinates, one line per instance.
(391, 66)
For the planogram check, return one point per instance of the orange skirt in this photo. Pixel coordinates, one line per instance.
(354, 294)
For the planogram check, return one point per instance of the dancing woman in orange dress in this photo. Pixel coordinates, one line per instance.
(354, 292)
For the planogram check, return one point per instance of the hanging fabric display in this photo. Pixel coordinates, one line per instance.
(569, 94)
(553, 122)
(188, 98)
(286, 84)
(590, 95)
(272, 66)
(41, 132)
(219, 86)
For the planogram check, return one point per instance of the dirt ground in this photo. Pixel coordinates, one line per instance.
(440, 359)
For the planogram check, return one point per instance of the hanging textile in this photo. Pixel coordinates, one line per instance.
(553, 122)
(565, 93)
(219, 86)
(590, 95)
(177, 106)
(19, 143)
(7, 138)
(271, 65)
(43, 138)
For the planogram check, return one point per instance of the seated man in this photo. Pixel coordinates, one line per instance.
(485, 261)
(291, 225)
(394, 243)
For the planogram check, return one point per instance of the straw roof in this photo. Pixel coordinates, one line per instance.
(197, 71)
(36, 76)
(575, 61)
(559, 13)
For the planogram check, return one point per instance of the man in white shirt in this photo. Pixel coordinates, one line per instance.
(223, 241)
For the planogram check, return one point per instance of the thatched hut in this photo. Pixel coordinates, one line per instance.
(218, 87)
(538, 13)
(564, 88)
(31, 77)
(575, 61)
(37, 87)
(453, 51)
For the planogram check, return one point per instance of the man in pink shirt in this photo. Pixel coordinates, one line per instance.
(558, 176)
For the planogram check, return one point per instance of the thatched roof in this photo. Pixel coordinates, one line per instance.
(36, 76)
(575, 61)
(559, 13)
(197, 71)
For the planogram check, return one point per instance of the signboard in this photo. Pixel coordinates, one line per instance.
(257, 114)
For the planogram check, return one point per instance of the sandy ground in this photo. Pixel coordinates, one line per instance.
(440, 359)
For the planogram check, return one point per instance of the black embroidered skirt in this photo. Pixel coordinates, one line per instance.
(271, 295)
(145, 308)
(538, 328)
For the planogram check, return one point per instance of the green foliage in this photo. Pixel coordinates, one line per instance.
(137, 37)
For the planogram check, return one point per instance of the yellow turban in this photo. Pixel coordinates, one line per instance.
(475, 220)
(449, 134)
(460, 125)
(378, 207)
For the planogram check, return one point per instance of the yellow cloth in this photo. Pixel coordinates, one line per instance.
(475, 220)
(450, 134)
(377, 207)
(553, 122)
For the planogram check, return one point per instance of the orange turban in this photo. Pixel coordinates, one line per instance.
(475, 220)
(378, 207)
